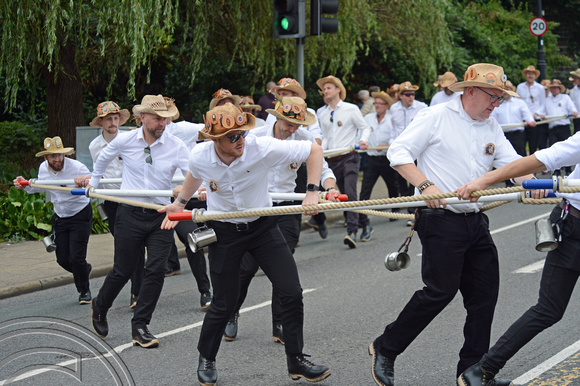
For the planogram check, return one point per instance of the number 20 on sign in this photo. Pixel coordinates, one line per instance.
(538, 26)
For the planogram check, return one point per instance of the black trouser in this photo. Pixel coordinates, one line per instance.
(518, 140)
(71, 236)
(557, 134)
(137, 278)
(290, 227)
(137, 228)
(542, 134)
(301, 183)
(375, 167)
(196, 259)
(265, 242)
(576, 123)
(458, 254)
(559, 278)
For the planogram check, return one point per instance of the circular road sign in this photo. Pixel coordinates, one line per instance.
(538, 26)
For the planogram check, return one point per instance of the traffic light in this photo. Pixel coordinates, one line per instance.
(289, 19)
(320, 24)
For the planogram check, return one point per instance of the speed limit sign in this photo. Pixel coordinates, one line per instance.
(538, 26)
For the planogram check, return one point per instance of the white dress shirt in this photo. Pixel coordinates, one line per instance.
(64, 203)
(241, 185)
(559, 155)
(282, 179)
(343, 131)
(381, 134)
(168, 153)
(534, 96)
(314, 128)
(558, 105)
(575, 96)
(115, 168)
(452, 149)
(512, 112)
(402, 117)
(442, 97)
(186, 131)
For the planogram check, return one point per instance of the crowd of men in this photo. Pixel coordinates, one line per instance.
(417, 149)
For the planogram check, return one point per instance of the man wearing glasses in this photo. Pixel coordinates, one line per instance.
(233, 166)
(452, 143)
(150, 159)
(534, 94)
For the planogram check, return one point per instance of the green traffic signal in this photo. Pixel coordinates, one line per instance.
(284, 23)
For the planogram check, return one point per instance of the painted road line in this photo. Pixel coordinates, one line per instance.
(532, 268)
(548, 364)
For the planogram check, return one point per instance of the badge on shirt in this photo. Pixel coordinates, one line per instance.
(294, 165)
(213, 186)
(489, 149)
(339, 123)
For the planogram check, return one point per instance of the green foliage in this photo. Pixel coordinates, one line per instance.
(99, 226)
(20, 141)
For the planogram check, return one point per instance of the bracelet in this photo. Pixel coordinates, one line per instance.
(181, 200)
(424, 185)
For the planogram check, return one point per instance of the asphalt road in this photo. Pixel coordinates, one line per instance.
(349, 297)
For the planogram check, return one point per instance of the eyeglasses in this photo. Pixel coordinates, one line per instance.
(380, 104)
(332, 116)
(408, 94)
(234, 138)
(493, 98)
(148, 160)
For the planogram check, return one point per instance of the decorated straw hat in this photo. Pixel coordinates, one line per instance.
(106, 108)
(509, 86)
(407, 86)
(54, 146)
(293, 110)
(246, 102)
(575, 73)
(222, 93)
(291, 85)
(557, 83)
(155, 104)
(394, 89)
(448, 79)
(222, 119)
(438, 82)
(531, 69)
(483, 75)
(171, 102)
(384, 96)
(335, 81)
(546, 83)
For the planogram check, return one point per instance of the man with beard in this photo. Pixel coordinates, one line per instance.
(150, 159)
(73, 217)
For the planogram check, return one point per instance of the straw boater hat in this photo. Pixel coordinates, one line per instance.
(55, 146)
(155, 104)
(334, 80)
(291, 85)
(448, 79)
(222, 93)
(531, 69)
(384, 96)
(407, 86)
(575, 73)
(545, 83)
(438, 82)
(483, 75)
(509, 86)
(394, 89)
(106, 108)
(557, 83)
(171, 102)
(222, 119)
(246, 102)
(293, 110)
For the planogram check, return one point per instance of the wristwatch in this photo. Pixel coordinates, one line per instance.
(312, 187)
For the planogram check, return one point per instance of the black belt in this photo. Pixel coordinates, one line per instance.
(572, 210)
(139, 209)
(339, 157)
(444, 211)
(238, 227)
(283, 203)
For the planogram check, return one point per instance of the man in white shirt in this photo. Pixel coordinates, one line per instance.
(534, 94)
(451, 143)
(150, 159)
(73, 215)
(445, 94)
(514, 111)
(575, 95)
(233, 165)
(342, 125)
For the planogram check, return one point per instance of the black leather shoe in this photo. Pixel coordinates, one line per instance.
(367, 233)
(300, 367)
(278, 333)
(323, 230)
(350, 240)
(205, 300)
(143, 338)
(99, 320)
(503, 382)
(85, 298)
(133, 301)
(383, 368)
(311, 223)
(206, 372)
(231, 331)
(476, 375)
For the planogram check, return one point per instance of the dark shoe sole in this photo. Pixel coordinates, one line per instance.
(324, 375)
(350, 242)
(154, 343)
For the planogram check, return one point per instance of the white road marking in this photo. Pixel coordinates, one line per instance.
(532, 268)
(548, 364)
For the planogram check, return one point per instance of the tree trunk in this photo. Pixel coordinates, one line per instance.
(64, 95)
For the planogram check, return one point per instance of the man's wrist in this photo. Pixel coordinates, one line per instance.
(181, 200)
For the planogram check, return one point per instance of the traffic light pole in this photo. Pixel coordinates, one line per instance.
(541, 54)
(300, 59)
